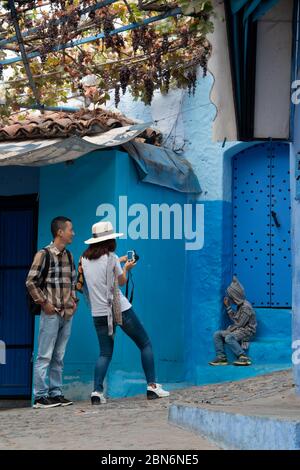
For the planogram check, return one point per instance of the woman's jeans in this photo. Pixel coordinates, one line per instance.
(134, 329)
(54, 333)
(220, 340)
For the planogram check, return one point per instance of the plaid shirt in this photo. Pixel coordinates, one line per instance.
(60, 282)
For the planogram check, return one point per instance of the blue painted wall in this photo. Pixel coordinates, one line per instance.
(208, 274)
(209, 270)
(180, 312)
(17, 180)
(76, 191)
(295, 148)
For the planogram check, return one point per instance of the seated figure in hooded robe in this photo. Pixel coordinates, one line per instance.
(240, 332)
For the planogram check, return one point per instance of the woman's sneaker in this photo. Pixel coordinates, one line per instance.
(98, 398)
(156, 392)
(45, 402)
(243, 360)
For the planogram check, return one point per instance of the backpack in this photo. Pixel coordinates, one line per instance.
(35, 309)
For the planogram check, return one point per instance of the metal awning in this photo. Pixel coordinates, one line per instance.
(155, 165)
(162, 166)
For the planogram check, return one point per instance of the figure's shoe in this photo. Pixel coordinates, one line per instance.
(243, 360)
(98, 398)
(219, 361)
(156, 392)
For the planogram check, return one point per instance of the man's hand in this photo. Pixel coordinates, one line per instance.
(74, 306)
(48, 308)
(226, 302)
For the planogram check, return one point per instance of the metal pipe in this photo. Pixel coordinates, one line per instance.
(62, 20)
(42, 107)
(130, 27)
(14, 17)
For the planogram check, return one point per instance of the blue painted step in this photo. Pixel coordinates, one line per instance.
(267, 350)
(273, 322)
(272, 343)
(237, 431)
(271, 350)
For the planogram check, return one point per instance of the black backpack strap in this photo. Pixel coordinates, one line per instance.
(72, 264)
(70, 258)
(44, 272)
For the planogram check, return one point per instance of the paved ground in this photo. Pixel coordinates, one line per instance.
(227, 394)
(135, 423)
(132, 424)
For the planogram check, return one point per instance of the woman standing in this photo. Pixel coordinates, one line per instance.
(102, 275)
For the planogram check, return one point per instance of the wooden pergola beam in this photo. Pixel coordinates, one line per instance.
(24, 58)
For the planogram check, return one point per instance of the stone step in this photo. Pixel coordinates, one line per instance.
(267, 350)
(237, 431)
(273, 322)
(270, 350)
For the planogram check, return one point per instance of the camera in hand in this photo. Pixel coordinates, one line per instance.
(132, 256)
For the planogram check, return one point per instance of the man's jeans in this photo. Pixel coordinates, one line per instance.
(53, 337)
(220, 340)
(135, 330)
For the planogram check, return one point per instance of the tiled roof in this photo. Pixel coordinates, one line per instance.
(51, 125)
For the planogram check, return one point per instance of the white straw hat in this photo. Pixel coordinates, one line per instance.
(102, 231)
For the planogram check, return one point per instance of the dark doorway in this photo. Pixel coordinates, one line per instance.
(18, 241)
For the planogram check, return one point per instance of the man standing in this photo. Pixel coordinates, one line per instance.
(54, 290)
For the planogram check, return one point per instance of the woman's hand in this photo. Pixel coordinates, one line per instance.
(123, 259)
(129, 265)
(123, 278)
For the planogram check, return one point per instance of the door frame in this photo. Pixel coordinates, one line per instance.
(26, 201)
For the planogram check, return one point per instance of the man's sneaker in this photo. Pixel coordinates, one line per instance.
(60, 399)
(242, 361)
(45, 402)
(156, 392)
(219, 361)
(98, 398)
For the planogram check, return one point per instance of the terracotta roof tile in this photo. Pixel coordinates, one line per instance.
(51, 125)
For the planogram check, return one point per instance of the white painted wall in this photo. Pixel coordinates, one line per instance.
(273, 72)
(187, 125)
(224, 124)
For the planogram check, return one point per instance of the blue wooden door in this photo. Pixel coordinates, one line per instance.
(261, 224)
(17, 243)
